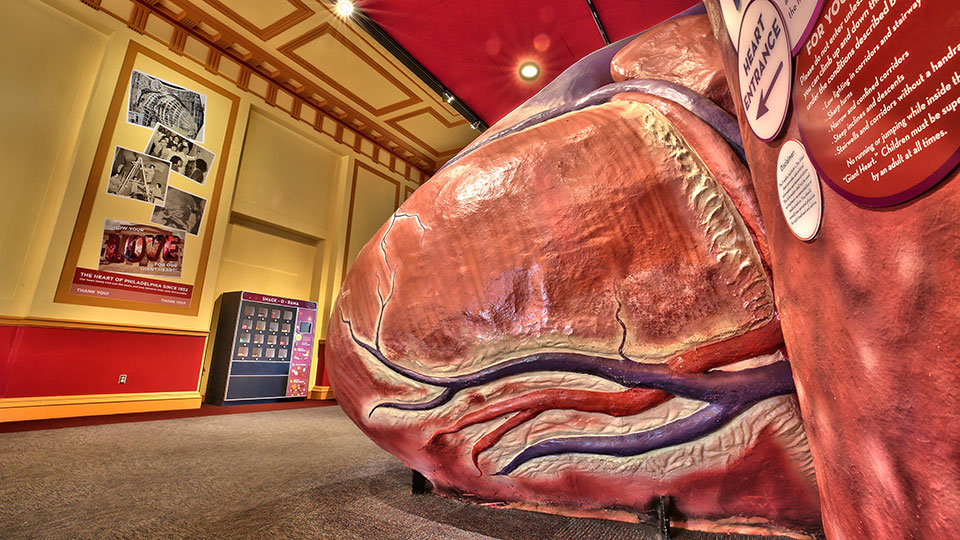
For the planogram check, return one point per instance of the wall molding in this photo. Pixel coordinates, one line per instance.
(289, 49)
(441, 154)
(42, 408)
(300, 13)
(321, 393)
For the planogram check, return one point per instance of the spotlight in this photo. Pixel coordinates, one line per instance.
(448, 97)
(475, 125)
(529, 71)
(344, 8)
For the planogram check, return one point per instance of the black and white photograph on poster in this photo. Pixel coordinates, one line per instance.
(181, 211)
(154, 100)
(186, 157)
(138, 176)
(198, 164)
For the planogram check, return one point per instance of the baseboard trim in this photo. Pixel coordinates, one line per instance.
(46, 407)
(321, 392)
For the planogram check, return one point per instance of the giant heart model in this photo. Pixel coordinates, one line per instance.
(576, 314)
(870, 315)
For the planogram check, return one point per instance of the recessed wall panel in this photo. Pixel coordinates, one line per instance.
(285, 178)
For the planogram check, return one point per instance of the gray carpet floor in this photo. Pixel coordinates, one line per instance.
(292, 474)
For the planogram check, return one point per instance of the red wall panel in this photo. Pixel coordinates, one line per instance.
(321, 379)
(8, 336)
(70, 361)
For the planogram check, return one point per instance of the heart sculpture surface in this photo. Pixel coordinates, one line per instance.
(576, 314)
(870, 313)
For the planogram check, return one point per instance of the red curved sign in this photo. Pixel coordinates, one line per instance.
(877, 96)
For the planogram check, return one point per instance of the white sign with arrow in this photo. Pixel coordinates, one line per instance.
(730, 10)
(766, 68)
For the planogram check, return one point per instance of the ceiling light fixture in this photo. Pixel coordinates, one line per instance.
(344, 8)
(529, 71)
(448, 97)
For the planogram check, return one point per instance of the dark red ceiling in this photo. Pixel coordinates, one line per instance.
(474, 47)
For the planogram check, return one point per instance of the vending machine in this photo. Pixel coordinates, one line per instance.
(262, 349)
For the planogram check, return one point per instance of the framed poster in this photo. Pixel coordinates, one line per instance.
(142, 236)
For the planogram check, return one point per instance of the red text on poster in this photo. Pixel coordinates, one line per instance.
(135, 248)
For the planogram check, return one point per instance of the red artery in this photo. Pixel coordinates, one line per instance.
(764, 340)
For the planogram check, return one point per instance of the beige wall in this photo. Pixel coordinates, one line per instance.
(282, 220)
(44, 97)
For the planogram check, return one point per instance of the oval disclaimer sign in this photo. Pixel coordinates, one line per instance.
(799, 190)
(877, 97)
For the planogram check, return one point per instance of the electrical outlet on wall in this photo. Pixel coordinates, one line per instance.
(123, 379)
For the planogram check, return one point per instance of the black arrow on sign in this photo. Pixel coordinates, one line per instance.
(762, 100)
